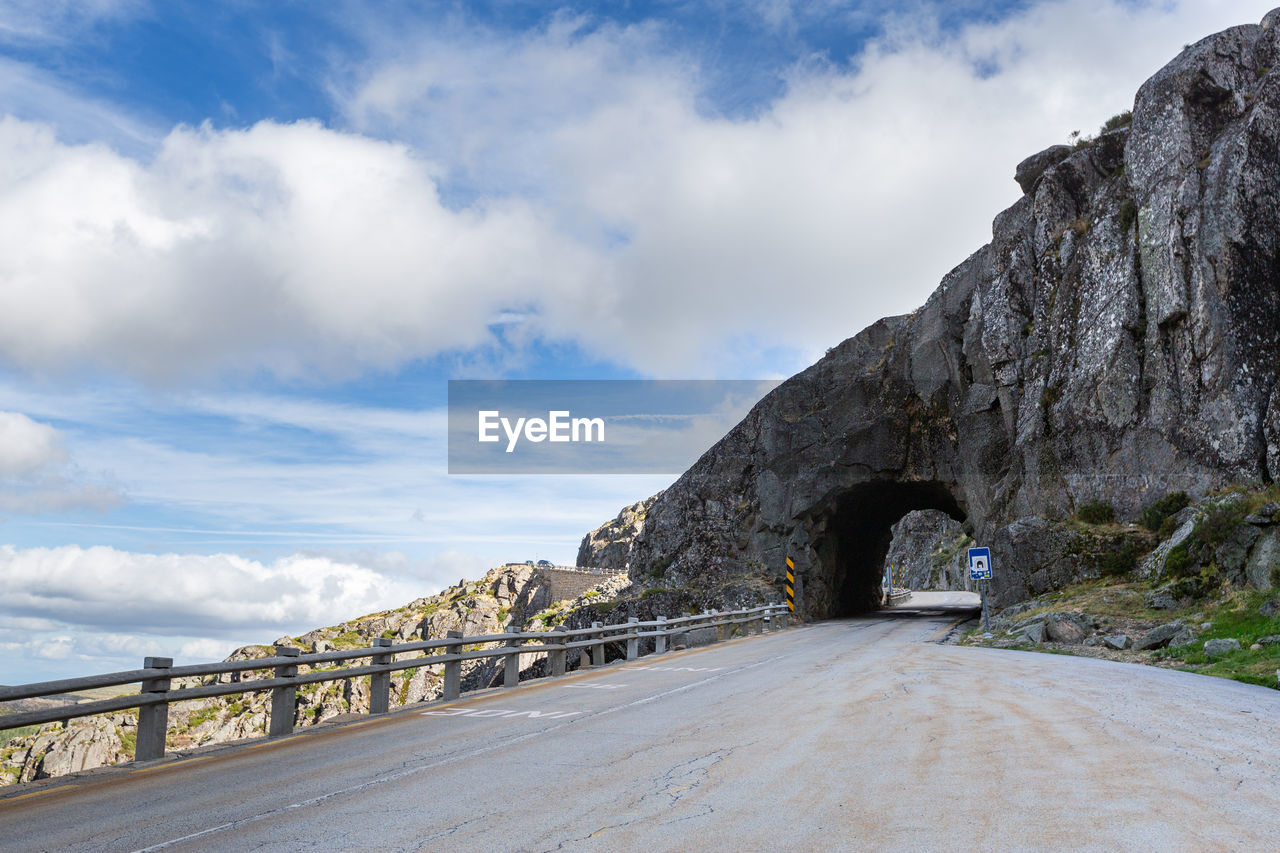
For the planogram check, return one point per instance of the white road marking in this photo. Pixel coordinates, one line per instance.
(674, 668)
(593, 686)
(499, 712)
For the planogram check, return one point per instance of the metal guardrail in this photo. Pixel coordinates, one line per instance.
(157, 673)
(896, 596)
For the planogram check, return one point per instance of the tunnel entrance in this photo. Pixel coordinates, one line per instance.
(851, 539)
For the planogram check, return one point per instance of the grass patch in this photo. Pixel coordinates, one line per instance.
(1096, 512)
(1237, 618)
(350, 640)
(7, 735)
(1154, 516)
(129, 739)
(1193, 560)
(660, 566)
(1118, 121)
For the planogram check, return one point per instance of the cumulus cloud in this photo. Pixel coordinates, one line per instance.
(26, 446)
(289, 246)
(35, 472)
(103, 588)
(72, 610)
(570, 178)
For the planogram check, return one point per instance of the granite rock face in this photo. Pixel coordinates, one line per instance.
(929, 551)
(608, 545)
(1117, 340)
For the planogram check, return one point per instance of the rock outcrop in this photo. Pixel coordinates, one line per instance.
(1117, 340)
(607, 546)
(929, 551)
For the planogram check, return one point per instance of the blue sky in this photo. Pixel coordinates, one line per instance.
(245, 245)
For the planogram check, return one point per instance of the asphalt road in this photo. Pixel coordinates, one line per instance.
(858, 734)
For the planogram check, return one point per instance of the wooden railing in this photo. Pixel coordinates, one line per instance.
(156, 676)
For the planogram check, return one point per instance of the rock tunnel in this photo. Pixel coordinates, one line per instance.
(851, 536)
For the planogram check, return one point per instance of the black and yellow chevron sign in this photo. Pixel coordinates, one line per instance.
(791, 585)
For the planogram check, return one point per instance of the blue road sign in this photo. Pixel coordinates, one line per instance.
(979, 564)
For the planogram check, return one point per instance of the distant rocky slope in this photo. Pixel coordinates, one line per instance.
(513, 596)
(609, 544)
(1117, 340)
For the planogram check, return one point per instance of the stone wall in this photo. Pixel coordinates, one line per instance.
(568, 583)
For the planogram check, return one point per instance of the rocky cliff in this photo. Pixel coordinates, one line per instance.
(608, 545)
(928, 552)
(1117, 340)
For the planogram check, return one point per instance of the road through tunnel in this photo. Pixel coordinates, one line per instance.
(851, 537)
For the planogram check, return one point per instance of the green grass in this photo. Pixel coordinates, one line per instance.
(1234, 616)
(7, 735)
(350, 640)
(129, 738)
(1096, 512)
(1154, 516)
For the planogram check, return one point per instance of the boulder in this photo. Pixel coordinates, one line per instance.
(1269, 608)
(1159, 637)
(1160, 599)
(1265, 516)
(1028, 172)
(1153, 566)
(1231, 555)
(1219, 647)
(1032, 632)
(1065, 627)
(1264, 559)
(1119, 642)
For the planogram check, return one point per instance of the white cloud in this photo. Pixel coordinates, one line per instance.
(35, 474)
(73, 611)
(612, 211)
(289, 246)
(26, 21)
(102, 588)
(26, 446)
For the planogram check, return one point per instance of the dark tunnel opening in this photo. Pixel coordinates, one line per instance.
(854, 540)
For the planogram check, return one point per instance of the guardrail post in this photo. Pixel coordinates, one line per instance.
(722, 631)
(597, 651)
(284, 700)
(660, 641)
(557, 656)
(452, 668)
(511, 665)
(153, 720)
(633, 642)
(380, 682)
